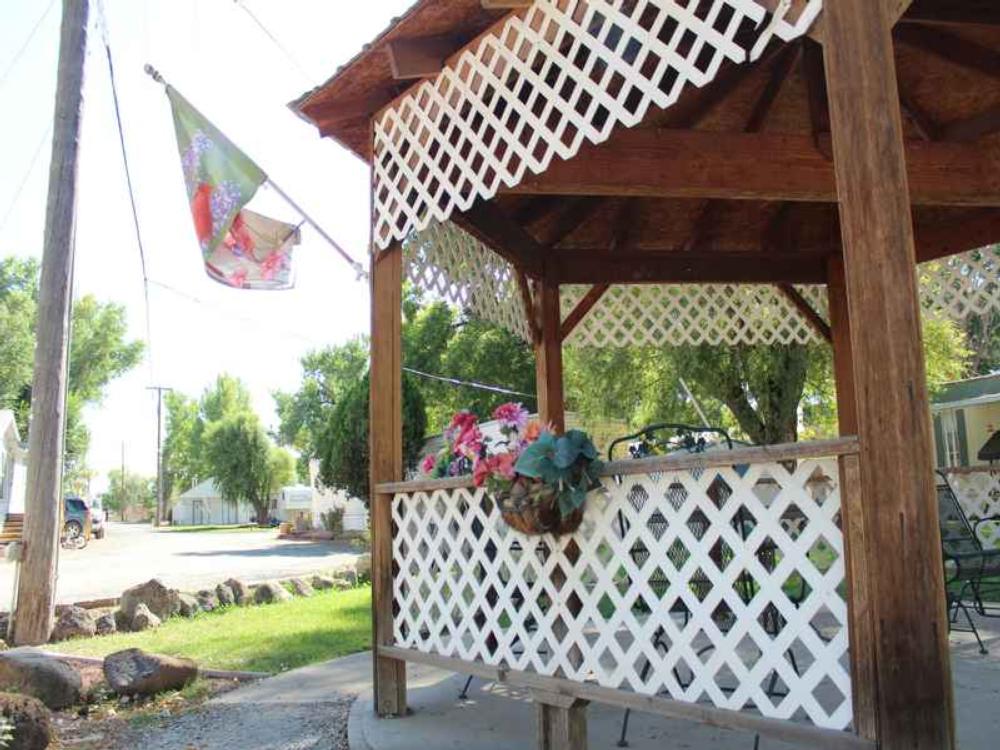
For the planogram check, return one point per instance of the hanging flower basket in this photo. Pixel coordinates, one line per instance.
(532, 508)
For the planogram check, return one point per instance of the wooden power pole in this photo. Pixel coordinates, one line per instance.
(33, 618)
(161, 510)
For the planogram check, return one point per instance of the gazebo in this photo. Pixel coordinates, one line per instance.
(619, 172)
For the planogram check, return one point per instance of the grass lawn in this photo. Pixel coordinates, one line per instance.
(268, 638)
(199, 529)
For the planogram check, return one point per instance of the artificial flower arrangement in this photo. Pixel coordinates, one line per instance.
(540, 480)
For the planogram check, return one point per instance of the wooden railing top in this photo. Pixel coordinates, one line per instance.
(980, 469)
(674, 462)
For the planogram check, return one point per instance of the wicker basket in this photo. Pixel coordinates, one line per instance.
(533, 508)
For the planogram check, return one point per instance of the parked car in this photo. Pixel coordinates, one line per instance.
(77, 519)
(98, 518)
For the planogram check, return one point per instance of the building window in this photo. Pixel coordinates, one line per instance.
(949, 430)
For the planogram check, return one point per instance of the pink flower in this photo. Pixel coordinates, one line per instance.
(500, 466)
(238, 278)
(511, 416)
(428, 464)
(272, 264)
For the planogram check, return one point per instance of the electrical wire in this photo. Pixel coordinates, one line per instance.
(31, 35)
(470, 384)
(102, 21)
(24, 180)
(274, 40)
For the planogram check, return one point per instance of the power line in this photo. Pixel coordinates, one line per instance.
(31, 35)
(470, 384)
(27, 174)
(274, 40)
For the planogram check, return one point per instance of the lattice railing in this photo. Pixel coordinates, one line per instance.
(563, 73)
(978, 492)
(723, 586)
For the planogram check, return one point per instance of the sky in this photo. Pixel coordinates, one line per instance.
(222, 62)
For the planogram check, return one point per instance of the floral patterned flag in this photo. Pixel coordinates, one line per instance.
(241, 248)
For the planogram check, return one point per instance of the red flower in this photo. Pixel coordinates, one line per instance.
(500, 466)
(201, 210)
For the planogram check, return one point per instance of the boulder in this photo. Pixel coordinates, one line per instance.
(144, 619)
(322, 583)
(30, 721)
(187, 605)
(135, 672)
(207, 600)
(301, 587)
(106, 624)
(160, 600)
(74, 622)
(363, 567)
(241, 592)
(269, 592)
(29, 671)
(122, 621)
(4, 624)
(225, 595)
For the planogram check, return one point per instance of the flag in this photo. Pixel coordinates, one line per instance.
(240, 248)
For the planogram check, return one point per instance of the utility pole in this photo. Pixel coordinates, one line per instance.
(160, 508)
(43, 507)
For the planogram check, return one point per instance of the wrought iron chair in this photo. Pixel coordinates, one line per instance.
(971, 571)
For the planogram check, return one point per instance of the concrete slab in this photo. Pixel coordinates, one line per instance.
(497, 717)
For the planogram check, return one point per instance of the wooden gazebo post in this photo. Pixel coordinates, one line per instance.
(548, 357)
(386, 465)
(911, 699)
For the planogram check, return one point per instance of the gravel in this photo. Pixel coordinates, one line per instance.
(247, 726)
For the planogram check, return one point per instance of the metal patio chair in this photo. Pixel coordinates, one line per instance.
(971, 572)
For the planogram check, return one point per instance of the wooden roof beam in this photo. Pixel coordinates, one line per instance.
(420, 57)
(756, 166)
(487, 223)
(951, 47)
(949, 12)
(972, 128)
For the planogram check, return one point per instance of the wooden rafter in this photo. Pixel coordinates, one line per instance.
(923, 122)
(757, 166)
(975, 12)
(951, 47)
(420, 57)
(813, 318)
(972, 128)
(492, 227)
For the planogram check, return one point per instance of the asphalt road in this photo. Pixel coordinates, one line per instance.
(132, 553)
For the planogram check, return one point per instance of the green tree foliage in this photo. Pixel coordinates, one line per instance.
(99, 352)
(129, 492)
(185, 459)
(245, 464)
(343, 445)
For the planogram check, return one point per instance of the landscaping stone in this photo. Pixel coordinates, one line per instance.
(207, 600)
(187, 605)
(106, 624)
(135, 672)
(160, 600)
(241, 592)
(74, 622)
(324, 583)
(225, 595)
(29, 671)
(31, 721)
(4, 624)
(123, 623)
(144, 619)
(301, 587)
(270, 592)
(363, 567)
(3, 645)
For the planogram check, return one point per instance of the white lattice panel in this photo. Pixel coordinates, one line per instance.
(978, 493)
(728, 583)
(565, 73)
(963, 285)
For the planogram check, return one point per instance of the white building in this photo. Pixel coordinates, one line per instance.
(202, 505)
(325, 499)
(13, 467)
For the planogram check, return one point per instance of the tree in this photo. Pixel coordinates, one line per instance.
(129, 492)
(99, 352)
(343, 445)
(245, 464)
(185, 461)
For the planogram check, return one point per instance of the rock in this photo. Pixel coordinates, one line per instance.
(363, 567)
(322, 583)
(144, 619)
(301, 587)
(3, 645)
(225, 595)
(106, 624)
(135, 672)
(269, 592)
(241, 592)
(30, 721)
(29, 671)
(74, 622)
(187, 605)
(160, 600)
(4, 624)
(207, 600)
(122, 621)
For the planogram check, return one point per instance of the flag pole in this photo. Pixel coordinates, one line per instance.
(358, 268)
